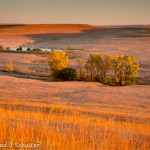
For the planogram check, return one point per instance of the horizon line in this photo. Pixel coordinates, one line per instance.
(74, 24)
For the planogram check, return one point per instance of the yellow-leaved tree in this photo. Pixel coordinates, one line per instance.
(57, 61)
(9, 67)
(117, 70)
(125, 69)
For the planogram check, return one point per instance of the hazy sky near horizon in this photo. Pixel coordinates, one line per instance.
(96, 12)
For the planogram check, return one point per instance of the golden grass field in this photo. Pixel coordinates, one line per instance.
(73, 115)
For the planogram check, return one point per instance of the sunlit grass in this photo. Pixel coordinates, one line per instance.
(58, 126)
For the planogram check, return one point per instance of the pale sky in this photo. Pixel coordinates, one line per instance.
(95, 12)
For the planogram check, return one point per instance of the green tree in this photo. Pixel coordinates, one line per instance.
(98, 65)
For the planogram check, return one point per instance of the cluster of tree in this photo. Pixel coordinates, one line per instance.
(113, 70)
(4, 48)
(107, 69)
(19, 49)
(29, 49)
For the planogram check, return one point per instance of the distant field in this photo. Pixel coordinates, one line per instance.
(114, 39)
(36, 66)
(39, 35)
(129, 40)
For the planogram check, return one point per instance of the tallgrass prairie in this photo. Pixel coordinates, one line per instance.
(39, 113)
(74, 115)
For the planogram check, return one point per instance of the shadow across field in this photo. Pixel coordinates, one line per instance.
(26, 76)
(91, 34)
